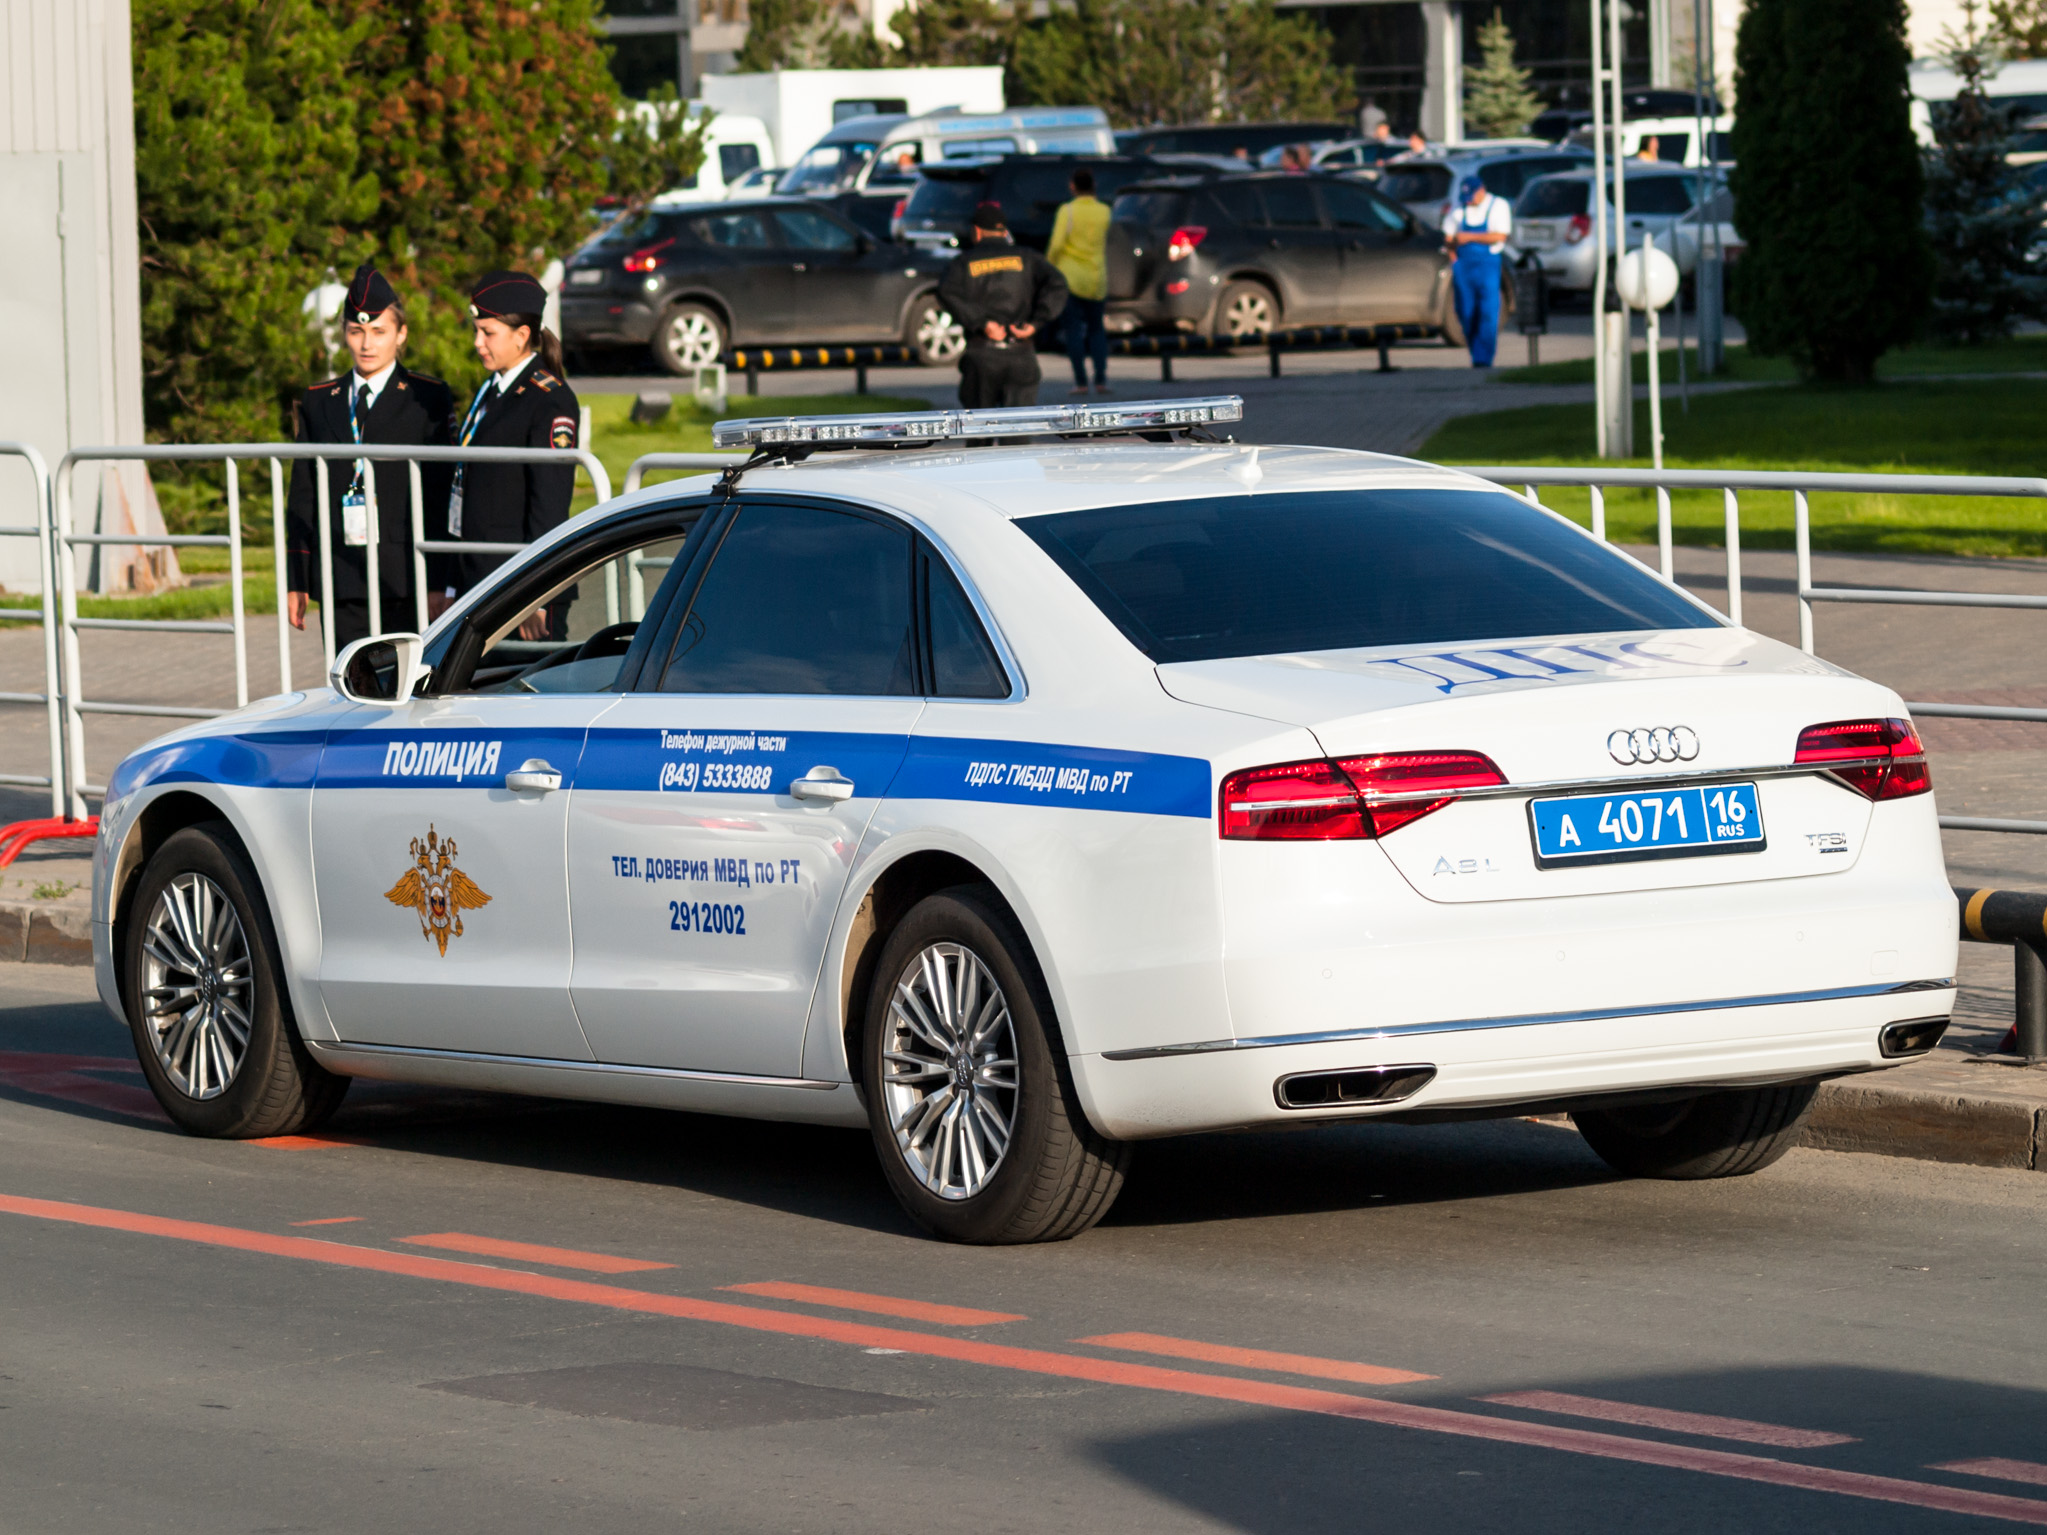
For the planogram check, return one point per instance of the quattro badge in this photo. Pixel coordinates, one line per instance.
(435, 890)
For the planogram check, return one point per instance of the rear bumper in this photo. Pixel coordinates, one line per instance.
(1487, 1066)
(604, 320)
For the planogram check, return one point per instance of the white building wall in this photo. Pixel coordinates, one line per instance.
(70, 290)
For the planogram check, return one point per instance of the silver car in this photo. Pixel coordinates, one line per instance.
(1426, 185)
(1553, 217)
(1684, 237)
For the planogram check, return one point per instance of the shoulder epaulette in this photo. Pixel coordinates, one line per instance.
(426, 378)
(544, 381)
(331, 384)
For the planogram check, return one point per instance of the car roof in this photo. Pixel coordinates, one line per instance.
(948, 486)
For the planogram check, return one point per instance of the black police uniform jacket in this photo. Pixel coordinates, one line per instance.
(516, 503)
(412, 410)
(1001, 281)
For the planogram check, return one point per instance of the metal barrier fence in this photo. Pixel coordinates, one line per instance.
(1802, 486)
(68, 752)
(45, 614)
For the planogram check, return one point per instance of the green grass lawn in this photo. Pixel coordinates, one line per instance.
(2017, 354)
(618, 441)
(1968, 426)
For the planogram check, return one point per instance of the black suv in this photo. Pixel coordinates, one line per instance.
(1030, 188)
(1235, 256)
(1249, 140)
(689, 282)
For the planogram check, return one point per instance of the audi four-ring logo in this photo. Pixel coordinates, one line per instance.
(1665, 743)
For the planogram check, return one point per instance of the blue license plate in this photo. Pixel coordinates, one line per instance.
(1671, 823)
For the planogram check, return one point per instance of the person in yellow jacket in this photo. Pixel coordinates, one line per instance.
(1079, 248)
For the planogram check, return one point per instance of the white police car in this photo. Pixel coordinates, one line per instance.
(1024, 801)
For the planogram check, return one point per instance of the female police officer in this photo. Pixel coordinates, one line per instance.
(523, 404)
(380, 401)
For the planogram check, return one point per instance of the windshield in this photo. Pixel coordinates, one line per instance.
(1415, 183)
(1558, 199)
(1339, 570)
(1659, 194)
(823, 167)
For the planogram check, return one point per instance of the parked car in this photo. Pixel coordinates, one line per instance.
(1427, 185)
(1236, 256)
(1675, 138)
(1553, 217)
(689, 282)
(1358, 155)
(886, 150)
(1243, 140)
(934, 216)
(1560, 122)
(758, 182)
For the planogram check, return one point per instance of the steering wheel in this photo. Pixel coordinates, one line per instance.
(611, 640)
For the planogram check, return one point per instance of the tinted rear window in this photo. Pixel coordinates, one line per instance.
(1659, 194)
(946, 197)
(1149, 210)
(1339, 570)
(1554, 200)
(1415, 183)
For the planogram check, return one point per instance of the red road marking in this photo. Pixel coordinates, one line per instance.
(64, 1076)
(1256, 1358)
(530, 1252)
(1255, 1393)
(329, 1220)
(2003, 1470)
(304, 1142)
(1676, 1422)
(881, 1305)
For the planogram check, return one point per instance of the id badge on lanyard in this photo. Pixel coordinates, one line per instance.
(355, 511)
(476, 408)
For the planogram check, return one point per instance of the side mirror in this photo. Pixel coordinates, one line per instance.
(381, 670)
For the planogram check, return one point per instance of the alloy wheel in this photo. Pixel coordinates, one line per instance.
(950, 1071)
(1248, 314)
(692, 339)
(940, 337)
(198, 986)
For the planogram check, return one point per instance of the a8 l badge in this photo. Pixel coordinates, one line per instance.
(435, 890)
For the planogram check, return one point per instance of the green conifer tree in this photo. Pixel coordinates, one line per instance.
(1981, 216)
(953, 32)
(1828, 181)
(1497, 101)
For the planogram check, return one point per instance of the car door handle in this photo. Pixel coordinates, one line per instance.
(534, 773)
(824, 784)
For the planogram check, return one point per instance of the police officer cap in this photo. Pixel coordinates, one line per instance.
(498, 294)
(368, 295)
(988, 216)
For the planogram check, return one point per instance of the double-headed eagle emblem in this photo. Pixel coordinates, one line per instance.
(436, 890)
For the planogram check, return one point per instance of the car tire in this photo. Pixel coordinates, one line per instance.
(229, 1065)
(933, 334)
(1244, 312)
(955, 958)
(1715, 1135)
(1453, 326)
(688, 337)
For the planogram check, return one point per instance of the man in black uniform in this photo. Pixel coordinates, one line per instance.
(523, 404)
(379, 401)
(1002, 293)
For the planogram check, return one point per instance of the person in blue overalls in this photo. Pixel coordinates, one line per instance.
(1475, 231)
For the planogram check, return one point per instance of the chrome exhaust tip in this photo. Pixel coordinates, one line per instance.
(1346, 1089)
(1913, 1036)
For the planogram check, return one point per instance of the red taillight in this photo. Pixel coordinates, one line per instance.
(648, 259)
(1323, 801)
(1581, 226)
(902, 207)
(1416, 773)
(1175, 289)
(1181, 246)
(1882, 759)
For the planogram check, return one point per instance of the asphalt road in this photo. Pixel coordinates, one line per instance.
(1334, 1329)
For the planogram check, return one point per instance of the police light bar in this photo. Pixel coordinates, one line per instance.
(946, 425)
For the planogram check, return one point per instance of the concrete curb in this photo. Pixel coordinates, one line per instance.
(43, 933)
(1932, 1124)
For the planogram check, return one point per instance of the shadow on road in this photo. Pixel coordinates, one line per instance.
(1282, 1473)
